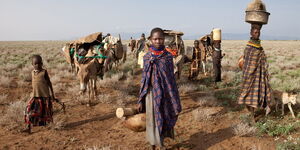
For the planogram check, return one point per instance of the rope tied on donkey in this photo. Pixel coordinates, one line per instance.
(72, 50)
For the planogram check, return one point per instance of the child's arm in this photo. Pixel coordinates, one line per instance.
(49, 84)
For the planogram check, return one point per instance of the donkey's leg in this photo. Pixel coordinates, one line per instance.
(204, 68)
(76, 70)
(276, 105)
(71, 68)
(89, 89)
(290, 107)
(95, 87)
(282, 109)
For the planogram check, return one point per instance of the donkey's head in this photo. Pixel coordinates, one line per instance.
(293, 98)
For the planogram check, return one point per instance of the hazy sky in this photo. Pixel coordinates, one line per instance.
(67, 19)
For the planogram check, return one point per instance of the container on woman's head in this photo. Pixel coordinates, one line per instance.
(256, 13)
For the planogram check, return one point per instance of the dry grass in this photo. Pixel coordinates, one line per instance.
(59, 122)
(13, 119)
(123, 98)
(97, 147)
(62, 67)
(105, 98)
(25, 74)
(5, 81)
(228, 75)
(3, 99)
(111, 81)
(202, 87)
(186, 88)
(80, 99)
(73, 89)
(55, 79)
(243, 129)
(202, 114)
(59, 87)
(11, 67)
(22, 83)
(208, 101)
(63, 74)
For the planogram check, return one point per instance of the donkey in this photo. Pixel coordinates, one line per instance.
(115, 54)
(69, 55)
(87, 75)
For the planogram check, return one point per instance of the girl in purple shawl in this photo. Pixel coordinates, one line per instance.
(159, 96)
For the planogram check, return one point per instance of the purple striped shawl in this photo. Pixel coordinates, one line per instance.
(158, 73)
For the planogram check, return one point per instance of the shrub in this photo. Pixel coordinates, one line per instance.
(59, 87)
(13, 119)
(25, 74)
(3, 98)
(55, 79)
(243, 129)
(202, 114)
(246, 118)
(289, 145)
(111, 81)
(231, 94)
(274, 129)
(202, 87)
(208, 101)
(5, 81)
(58, 122)
(21, 83)
(186, 88)
(97, 147)
(105, 98)
(62, 66)
(81, 99)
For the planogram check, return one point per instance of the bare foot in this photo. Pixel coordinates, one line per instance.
(268, 110)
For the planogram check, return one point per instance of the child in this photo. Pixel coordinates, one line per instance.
(196, 60)
(39, 108)
(159, 96)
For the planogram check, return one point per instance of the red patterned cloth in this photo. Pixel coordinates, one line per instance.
(39, 111)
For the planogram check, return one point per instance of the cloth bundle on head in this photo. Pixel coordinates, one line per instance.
(256, 5)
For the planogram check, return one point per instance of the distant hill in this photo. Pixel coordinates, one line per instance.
(244, 36)
(225, 36)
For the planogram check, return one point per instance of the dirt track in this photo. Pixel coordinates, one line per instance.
(98, 126)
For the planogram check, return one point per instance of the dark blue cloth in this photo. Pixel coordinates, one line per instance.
(159, 73)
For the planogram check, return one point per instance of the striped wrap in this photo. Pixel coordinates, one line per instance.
(256, 90)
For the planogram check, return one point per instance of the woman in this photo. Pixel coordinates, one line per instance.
(159, 96)
(256, 90)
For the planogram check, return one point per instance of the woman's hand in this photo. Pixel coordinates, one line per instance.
(139, 108)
